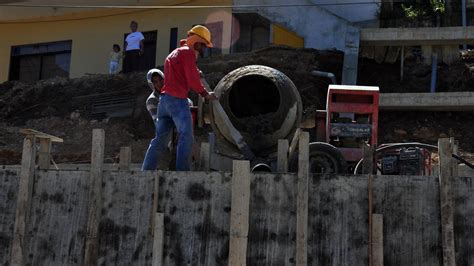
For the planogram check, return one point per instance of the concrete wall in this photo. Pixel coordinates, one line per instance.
(320, 28)
(92, 38)
(9, 185)
(197, 218)
(440, 101)
(360, 12)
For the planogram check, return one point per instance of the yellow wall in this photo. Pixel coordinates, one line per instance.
(282, 36)
(13, 13)
(92, 38)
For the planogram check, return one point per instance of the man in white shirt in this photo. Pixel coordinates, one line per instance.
(133, 49)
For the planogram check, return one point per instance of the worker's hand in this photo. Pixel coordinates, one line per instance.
(141, 52)
(211, 96)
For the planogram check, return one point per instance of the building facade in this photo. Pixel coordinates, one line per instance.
(38, 43)
(47, 39)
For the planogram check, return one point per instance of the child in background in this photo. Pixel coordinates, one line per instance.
(115, 57)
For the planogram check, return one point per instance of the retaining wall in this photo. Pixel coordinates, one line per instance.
(197, 207)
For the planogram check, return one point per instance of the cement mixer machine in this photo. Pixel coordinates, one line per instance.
(263, 105)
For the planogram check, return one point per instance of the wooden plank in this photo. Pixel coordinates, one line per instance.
(24, 200)
(368, 162)
(368, 168)
(44, 155)
(125, 220)
(446, 200)
(95, 197)
(302, 201)
(58, 215)
(38, 134)
(294, 143)
(158, 239)
(239, 216)
(455, 163)
(205, 156)
(200, 117)
(156, 189)
(370, 206)
(377, 239)
(282, 161)
(125, 158)
(272, 219)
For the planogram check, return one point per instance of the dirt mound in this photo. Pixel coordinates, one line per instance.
(20, 101)
(63, 107)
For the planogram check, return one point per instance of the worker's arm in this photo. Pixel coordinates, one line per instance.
(192, 75)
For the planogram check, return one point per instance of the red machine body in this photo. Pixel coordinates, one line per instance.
(350, 119)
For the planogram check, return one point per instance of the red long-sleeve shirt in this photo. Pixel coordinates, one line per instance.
(181, 74)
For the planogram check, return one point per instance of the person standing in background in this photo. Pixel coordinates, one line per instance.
(115, 56)
(134, 48)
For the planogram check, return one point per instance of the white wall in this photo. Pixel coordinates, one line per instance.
(360, 12)
(320, 28)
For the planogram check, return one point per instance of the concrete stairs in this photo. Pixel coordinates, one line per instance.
(320, 28)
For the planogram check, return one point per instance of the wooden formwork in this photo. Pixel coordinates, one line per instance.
(232, 197)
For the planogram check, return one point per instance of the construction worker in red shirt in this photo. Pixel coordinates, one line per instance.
(181, 75)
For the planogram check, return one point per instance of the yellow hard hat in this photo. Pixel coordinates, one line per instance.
(202, 32)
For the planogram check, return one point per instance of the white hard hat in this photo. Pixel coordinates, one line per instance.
(150, 74)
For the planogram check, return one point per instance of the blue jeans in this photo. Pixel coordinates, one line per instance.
(172, 112)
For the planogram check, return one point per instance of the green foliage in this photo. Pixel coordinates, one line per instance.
(438, 6)
(417, 10)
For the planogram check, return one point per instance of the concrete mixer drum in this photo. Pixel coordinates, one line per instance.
(262, 103)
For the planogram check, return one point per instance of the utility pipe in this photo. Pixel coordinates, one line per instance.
(325, 75)
(464, 18)
(402, 60)
(434, 72)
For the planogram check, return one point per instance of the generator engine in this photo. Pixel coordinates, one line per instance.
(406, 161)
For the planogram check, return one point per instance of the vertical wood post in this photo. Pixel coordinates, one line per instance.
(302, 201)
(205, 157)
(294, 143)
(377, 239)
(95, 197)
(368, 168)
(239, 215)
(25, 191)
(200, 116)
(282, 160)
(370, 226)
(44, 155)
(158, 239)
(368, 162)
(156, 190)
(125, 158)
(455, 163)
(445, 147)
(212, 145)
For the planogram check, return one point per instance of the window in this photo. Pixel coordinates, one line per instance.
(40, 61)
(173, 39)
